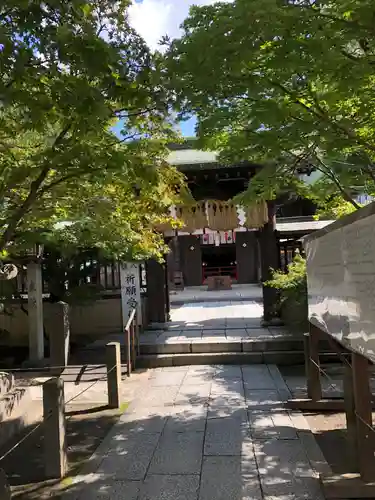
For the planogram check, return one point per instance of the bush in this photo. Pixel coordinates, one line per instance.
(292, 288)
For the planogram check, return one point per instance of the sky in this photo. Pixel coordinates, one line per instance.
(155, 18)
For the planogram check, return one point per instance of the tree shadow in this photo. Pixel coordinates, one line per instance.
(201, 432)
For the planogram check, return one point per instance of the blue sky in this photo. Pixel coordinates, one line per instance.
(186, 128)
(155, 18)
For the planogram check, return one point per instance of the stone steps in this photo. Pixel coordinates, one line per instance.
(229, 358)
(211, 358)
(275, 351)
(222, 346)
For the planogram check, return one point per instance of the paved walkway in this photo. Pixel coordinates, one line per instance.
(224, 326)
(201, 294)
(204, 433)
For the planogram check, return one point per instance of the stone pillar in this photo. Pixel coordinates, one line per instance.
(269, 258)
(59, 334)
(113, 361)
(35, 311)
(55, 457)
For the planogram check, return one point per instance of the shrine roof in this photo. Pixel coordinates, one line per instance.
(186, 156)
(291, 225)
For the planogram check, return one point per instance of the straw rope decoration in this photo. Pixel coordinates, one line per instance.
(222, 215)
(256, 215)
(193, 217)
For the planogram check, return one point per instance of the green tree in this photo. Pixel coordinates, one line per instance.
(70, 71)
(287, 84)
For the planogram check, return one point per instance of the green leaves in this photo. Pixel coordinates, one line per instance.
(70, 70)
(281, 84)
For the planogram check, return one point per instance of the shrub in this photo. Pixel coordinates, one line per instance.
(292, 288)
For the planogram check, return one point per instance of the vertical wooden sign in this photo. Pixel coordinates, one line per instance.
(130, 291)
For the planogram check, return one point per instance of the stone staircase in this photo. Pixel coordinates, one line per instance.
(161, 349)
(17, 409)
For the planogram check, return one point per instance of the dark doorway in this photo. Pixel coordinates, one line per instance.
(219, 261)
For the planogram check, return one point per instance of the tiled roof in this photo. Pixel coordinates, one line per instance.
(301, 226)
(191, 156)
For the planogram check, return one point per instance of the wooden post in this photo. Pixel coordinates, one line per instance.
(166, 290)
(128, 351)
(137, 338)
(363, 409)
(55, 456)
(113, 361)
(156, 294)
(269, 257)
(5, 492)
(351, 419)
(311, 343)
(134, 352)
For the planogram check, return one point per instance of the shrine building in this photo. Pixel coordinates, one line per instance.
(219, 238)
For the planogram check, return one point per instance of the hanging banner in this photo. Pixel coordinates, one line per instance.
(130, 291)
(205, 239)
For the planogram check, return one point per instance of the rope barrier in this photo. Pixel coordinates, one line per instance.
(132, 316)
(22, 440)
(329, 378)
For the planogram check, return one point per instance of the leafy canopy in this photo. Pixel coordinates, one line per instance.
(289, 84)
(70, 71)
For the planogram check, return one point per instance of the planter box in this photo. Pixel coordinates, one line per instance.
(295, 316)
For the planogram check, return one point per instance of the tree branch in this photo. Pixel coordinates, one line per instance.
(22, 210)
(329, 172)
(322, 115)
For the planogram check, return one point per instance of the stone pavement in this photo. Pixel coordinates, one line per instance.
(201, 294)
(205, 433)
(217, 327)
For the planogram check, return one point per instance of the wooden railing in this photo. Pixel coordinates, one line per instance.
(132, 341)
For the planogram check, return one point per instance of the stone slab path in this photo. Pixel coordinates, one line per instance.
(202, 294)
(205, 433)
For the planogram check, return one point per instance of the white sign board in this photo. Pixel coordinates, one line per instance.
(341, 280)
(130, 291)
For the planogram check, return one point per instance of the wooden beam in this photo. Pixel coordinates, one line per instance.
(363, 409)
(351, 419)
(321, 405)
(347, 486)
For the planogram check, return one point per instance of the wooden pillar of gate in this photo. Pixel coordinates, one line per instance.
(156, 292)
(269, 259)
